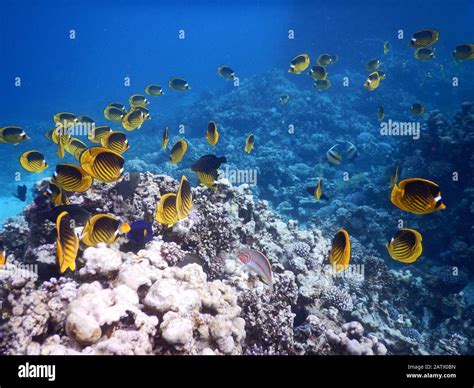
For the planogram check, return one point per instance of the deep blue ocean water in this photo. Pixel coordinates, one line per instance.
(139, 40)
(75, 56)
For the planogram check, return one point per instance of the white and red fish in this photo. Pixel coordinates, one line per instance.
(258, 263)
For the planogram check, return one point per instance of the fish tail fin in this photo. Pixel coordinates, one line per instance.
(270, 286)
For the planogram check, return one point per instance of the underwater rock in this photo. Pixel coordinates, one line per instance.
(176, 330)
(124, 343)
(83, 328)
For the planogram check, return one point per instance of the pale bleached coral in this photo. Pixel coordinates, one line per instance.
(197, 315)
(100, 260)
(35, 311)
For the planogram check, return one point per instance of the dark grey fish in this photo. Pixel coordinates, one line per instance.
(76, 212)
(127, 187)
(20, 193)
(208, 163)
(192, 258)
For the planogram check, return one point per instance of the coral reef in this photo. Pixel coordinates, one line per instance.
(185, 293)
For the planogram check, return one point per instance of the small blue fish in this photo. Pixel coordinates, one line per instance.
(140, 232)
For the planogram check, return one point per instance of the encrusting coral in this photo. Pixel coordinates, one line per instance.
(152, 301)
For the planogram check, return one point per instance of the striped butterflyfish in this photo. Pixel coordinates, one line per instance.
(85, 120)
(184, 199)
(70, 177)
(13, 135)
(322, 84)
(65, 118)
(154, 90)
(115, 112)
(3, 255)
(249, 143)
(327, 59)
(117, 105)
(424, 38)
(299, 64)
(208, 178)
(226, 72)
(98, 133)
(318, 72)
(63, 140)
(52, 135)
(351, 151)
(463, 52)
(425, 54)
(340, 252)
(334, 156)
(57, 195)
(133, 120)
(165, 139)
(33, 161)
(405, 246)
(317, 191)
(67, 242)
(373, 65)
(145, 111)
(115, 141)
(178, 84)
(417, 109)
(212, 135)
(166, 212)
(103, 228)
(257, 262)
(178, 151)
(417, 195)
(75, 147)
(103, 164)
(137, 100)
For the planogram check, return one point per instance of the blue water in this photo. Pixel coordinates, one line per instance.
(139, 40)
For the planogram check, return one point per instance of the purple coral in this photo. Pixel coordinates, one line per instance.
(172, 253)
